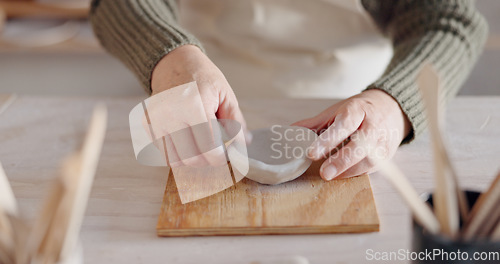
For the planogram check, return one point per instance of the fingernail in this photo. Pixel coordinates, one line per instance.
(316, 152)
(329, 172)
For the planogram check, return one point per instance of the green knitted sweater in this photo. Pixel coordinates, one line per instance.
(448, 33)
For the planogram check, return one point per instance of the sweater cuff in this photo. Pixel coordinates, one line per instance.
(412, 108)
(139, 33)
(450, 47)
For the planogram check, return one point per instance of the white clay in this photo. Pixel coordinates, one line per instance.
(278, 154)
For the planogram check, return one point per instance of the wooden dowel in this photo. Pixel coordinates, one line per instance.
(421, 211)
(6, 249)
(7, 206)
(8, 203)
(41, 230)
(7, 240)
(495, 236)
(489, 224)
(60, 222)
(90, 154)
(482, 210)
(446, 196)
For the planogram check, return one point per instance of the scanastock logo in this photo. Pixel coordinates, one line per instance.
(196, 149)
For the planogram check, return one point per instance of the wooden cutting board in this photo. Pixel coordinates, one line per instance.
(307, 205)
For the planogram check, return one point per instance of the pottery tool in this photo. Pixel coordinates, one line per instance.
(56, 233)
(89, 159)
(8, 208)
(482, 216)
(421, 211)
(43, 224)
(6, 249)
(495, 235)
(7, 200)
(449, 200)
(488, 227)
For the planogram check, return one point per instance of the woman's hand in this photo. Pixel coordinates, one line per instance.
(372, 120)
(188, 63)
(177, 109)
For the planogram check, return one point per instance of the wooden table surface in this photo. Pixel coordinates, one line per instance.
(37, 132)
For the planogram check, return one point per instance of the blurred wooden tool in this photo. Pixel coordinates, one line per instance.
(7, 200)
(422, 212)
(495, 236)
(449, 200)
(8, 208)
(16, 9)
(56, 234)
(484, 216)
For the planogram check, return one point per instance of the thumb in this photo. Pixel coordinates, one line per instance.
(313, 123)
(229, 109)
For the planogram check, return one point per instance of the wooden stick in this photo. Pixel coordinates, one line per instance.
(42, 228)
(495, 236)
(422, 212)
(446, 196)
(7, 207)
(6, 247)
(7, 200)
(482, 210)
(5, 253)
(489, 224)
(50, 245)
(61, 220)
(90, 154)
(20, 236)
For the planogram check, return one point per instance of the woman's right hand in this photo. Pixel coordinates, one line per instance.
(186, 64)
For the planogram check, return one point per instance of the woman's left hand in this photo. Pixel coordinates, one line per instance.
(372, 120)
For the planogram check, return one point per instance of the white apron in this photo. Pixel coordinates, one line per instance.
(289, 48)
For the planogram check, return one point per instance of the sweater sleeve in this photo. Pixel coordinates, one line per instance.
(449, 34)
(139, 32)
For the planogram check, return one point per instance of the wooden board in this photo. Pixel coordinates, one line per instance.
(307, 205)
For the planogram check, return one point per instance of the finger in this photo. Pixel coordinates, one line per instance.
(321, 121)
(346, 122)
(362, 167)
(229, 109)
(311, 123)
(355, 151)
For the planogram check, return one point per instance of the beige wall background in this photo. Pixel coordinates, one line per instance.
(485, 78)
